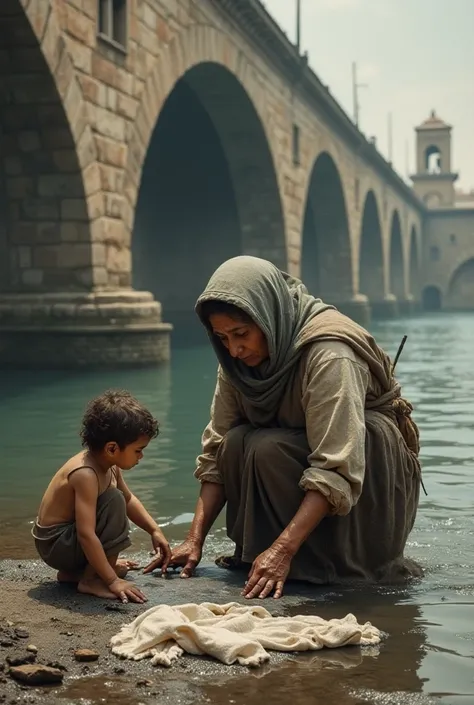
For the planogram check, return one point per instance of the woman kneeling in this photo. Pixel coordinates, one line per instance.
(310, 443)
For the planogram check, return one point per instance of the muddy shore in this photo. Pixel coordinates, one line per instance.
(58, 621)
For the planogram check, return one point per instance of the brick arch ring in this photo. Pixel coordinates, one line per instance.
(197, 45)
(42, 17)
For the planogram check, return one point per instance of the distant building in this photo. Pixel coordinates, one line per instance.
(448, 243)
(464, 199)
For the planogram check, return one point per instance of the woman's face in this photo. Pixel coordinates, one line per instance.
(244, 341)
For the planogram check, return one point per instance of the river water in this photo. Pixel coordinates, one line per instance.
(429, 653)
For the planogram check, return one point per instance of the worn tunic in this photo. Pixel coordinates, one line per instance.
(322, 438)
(327, 400)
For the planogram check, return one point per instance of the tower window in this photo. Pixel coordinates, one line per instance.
(432, 200)
(452, 238)
(296, 145)
(433, 160)
(112, 21)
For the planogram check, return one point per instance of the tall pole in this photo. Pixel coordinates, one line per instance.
(355, 97)
(355, 93)
(298, 25)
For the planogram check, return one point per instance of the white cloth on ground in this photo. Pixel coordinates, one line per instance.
(232, 633)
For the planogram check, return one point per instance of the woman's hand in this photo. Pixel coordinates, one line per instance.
(188, 554)
(268, 572)
(162, 550)
(270, 569)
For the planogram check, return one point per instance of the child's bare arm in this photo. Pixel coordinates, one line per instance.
(137, 513)
(84, 484)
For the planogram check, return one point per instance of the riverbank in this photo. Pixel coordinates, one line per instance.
(428, 655)
(58, 621)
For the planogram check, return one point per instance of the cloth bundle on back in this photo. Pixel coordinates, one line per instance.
(233, 633)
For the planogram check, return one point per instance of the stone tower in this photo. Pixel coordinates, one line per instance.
(434, 181)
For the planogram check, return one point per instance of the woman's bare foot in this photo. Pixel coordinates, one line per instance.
(95, 586)
(232, 563)
(64, 577)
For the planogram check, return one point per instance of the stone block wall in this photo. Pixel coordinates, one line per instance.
(45, 219)
(448, 257)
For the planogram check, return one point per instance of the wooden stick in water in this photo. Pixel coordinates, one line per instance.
(399, 352)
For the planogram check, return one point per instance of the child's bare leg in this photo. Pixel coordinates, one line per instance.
(91, 584)
(122, 566)
(64, 577)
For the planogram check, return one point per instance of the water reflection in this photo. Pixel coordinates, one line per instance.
(343, 676)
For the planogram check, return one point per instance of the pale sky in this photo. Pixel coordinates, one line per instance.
(414, 56)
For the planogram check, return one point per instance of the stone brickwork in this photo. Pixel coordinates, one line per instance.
(46, 238)
(82, 330)
(203, 38)
(89, 349)
(448, 243)
(77, 117)
(448, 257)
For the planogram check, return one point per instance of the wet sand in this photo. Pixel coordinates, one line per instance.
(59, 620)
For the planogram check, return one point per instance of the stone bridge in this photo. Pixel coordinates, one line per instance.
(143, 142)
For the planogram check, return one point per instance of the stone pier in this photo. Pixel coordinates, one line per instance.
(74, 330)
(385, 308)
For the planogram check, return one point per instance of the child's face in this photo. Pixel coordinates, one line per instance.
(126, 458)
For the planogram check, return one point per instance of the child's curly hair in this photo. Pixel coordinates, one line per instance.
(116, 416)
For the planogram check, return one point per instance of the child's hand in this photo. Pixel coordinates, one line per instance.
(126, 591)
(162, 550)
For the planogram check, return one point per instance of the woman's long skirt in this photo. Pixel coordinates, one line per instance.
(262, 469)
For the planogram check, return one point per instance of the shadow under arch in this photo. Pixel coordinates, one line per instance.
(208, 192)
(432, 299)
(326, 262)
(371, 264)
(397, 267)
(460, 294)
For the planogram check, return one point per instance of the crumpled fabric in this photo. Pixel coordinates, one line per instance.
(233, 633)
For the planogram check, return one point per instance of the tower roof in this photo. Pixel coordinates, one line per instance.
(433, 122)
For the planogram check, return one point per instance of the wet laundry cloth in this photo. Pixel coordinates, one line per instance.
(233, 633)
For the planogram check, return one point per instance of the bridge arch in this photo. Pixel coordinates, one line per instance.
(432, 298)
(460, 294)
(44, 216)
(201, 171)
(414, 285)
(396, 264)
(326, 257)
(371, 259)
